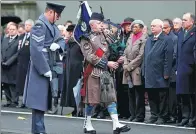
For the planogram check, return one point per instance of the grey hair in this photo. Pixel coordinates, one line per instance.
(178, 20)
(92, 21)
(158, 21)
(29, 21)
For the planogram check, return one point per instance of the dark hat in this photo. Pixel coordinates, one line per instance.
(70, 28)
(128, 20)
(97, 16)
(56, 7)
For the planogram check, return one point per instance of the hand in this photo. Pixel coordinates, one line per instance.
(48, 74)
(121, 59)
(112, 65)
(4, 65)
(166, 77)
(54, 46)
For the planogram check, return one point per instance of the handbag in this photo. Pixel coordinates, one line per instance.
(108, 92)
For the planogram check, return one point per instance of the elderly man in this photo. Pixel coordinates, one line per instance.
(185, 70)
(158, 57)
(168, 30)
(9, 47)
(95, 50)
(177, 23)
(43, 37)
(23, 57)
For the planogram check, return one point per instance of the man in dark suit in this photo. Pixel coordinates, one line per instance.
(158, 57)
(23, 58)
(185, 70)
(9, 48)
(168, 30)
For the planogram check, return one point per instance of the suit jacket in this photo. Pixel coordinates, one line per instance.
(174, 66)
(9, 56)
(133, 60)
(23, 62)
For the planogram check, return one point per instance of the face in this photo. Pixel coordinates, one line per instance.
(127, 27)
(136, 29)
(187, 21)
(53, 16)
(166, 27)
(28, 27)
(97, 26)
(21, 31)
(13, 30)
(155, 28)
(145, 30)
(177, 24)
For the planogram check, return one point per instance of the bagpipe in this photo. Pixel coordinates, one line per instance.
(117, 45)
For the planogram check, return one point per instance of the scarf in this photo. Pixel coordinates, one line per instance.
(135, 37)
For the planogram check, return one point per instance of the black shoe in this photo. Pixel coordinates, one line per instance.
(160, 121)
(22, 106)
(101, 115)
(14, 105)
(138, 120)
(131, 118)
(89, 132)
(183, 122)
(6, 105)
(191, 124)
(172, 120)
(151, 121)
(122, 129)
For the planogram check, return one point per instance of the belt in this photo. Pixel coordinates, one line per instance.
(44, 50)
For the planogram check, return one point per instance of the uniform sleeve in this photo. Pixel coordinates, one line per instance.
(138, 60)
(37, 39)
(168, 53)
(91, 56)
(62, 45)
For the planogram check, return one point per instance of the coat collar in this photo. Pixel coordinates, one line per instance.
(161, 36)
(48, 24)
(190, 33)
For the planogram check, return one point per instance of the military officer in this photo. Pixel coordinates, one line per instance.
(44, 34)
(96, 52)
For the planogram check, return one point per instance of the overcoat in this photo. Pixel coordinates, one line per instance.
(174, 67)
(9, 53)
(158, 57)
(133, 59)
(37, 94)
(185, 62)
(72, 72)
(23, 62)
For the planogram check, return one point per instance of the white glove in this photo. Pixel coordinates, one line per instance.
(48, 74)
(54, 46)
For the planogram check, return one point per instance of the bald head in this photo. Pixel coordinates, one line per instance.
(156, 26)
(188, 20)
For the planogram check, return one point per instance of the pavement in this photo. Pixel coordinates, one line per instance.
(18, 121)
(10, 122)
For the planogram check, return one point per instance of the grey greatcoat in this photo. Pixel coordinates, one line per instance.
(158, 57)
(37, 93)
(8, 52)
